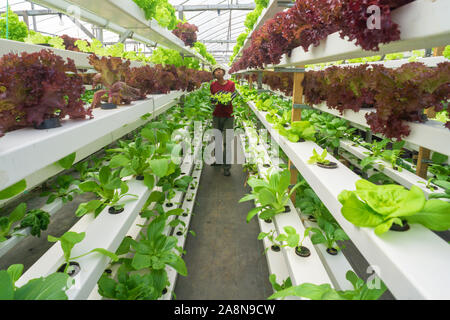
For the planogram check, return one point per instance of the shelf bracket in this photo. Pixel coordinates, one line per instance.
(126, 35)
(293, 70)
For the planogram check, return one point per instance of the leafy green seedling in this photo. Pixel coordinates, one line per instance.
(69, 239)
(316, 158)
(328, 234)
(272, 195)
(287, 283)
(37, 220)
(6, 222)
(52, 287)
(65, 188)
(271, 237)
(109, 187)
(361, 291)
(292, 238)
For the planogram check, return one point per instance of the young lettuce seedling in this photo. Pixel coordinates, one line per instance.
(109, 187)
(69, 239)
(52, 287)
(7, 222)
(328, 234)
(272, 195)
(293, 240)
(287, 283)
(316, 158)
(361, 291)
(276, 245)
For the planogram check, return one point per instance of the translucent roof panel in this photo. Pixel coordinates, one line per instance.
(217, 25)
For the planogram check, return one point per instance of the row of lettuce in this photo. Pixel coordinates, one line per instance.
(308, 22)
(146, 156)
(18, 31)
(377, 202)
(397, 95)
(39, 86)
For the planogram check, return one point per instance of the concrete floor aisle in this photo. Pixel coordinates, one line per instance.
(225, 259)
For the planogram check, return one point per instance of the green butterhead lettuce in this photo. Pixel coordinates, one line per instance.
(379, 207)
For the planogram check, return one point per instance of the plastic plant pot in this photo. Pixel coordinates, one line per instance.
(164, 291)
(398, 228)
(287, 209)
(169, 204)
(185, 214)
(330, 165)
(312, 218)
(113, 210)
(268, 221)
(108, 271)
(108, 106)
(179, 233)
(72, 271)
(49, 124)
(332, 251)
(275, 248)
(302, 251)
(301, 140)
(140, 178)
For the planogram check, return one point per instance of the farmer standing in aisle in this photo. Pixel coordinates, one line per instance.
(222, 116)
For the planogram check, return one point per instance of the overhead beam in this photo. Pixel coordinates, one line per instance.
(215, 7)
(218, 41)
(33, 13)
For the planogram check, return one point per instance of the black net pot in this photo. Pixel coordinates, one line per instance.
(72, 271)
(302, 251)
(49, 124)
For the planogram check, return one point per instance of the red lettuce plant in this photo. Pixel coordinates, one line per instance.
(310, 21)
(162, 79)
(38, 86)
(186, 32)
(112, 73)
(281, 81)
(398, 95)
(69, 42)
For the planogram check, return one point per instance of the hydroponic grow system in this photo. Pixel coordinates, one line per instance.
(412, 264)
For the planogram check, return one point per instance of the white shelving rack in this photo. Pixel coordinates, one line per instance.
(401, 257)
(122, 17)
(80, 59)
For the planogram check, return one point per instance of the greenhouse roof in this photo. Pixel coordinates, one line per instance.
(214, 25)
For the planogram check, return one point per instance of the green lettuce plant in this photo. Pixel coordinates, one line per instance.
(293, 239)
(380, 207)
(287, 283)
(109, 187)
(17, 30)
(37, 220)
(69, 239)
(328, 234)
(6, 222)
(272, 194)
(319, 158)
(151, 255)
(361, 291)
(271, 237)
(64, 188)
(298, 130)
(51, 287)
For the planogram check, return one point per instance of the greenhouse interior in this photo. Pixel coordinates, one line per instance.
(224, 150)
